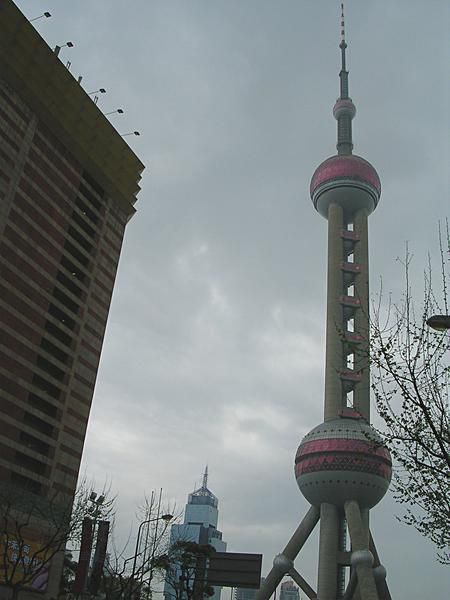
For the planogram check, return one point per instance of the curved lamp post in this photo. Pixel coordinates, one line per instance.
(66, 45)
(166, 518)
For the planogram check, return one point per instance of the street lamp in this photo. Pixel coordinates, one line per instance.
(112, 112)
(439, 322)
(166, 518)
(46, 15)
(99, 91)
(58, 48)
(130, 133)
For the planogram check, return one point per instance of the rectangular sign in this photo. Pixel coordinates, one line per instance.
(234, 569)
(23, 562)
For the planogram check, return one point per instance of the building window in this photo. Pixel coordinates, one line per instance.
(69, 284)
(38, 424)
(57, 333)
(79, 256)
(64, 299)
(54, 350)
(62, 317)
(73, 269)
(32, 464)
(26, 483)
(87, 247)
(86, 210)
(46, 386)
(43, 405)
(84, 226)
(94, 185)
(34, 444)
(50, 368)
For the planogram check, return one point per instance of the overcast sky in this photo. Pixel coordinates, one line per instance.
(214, 350)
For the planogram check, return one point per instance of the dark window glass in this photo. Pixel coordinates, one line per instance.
(81, 258)
(78, 237)
(64, 299)
(86, 210)
(38, 424)
(58, 333)
(61, 316)
(32, 464)
(82, 223)
(26, 483)
(89, 196)
(73, 269)
(50, 368)
(34, 444)
(69, 284)
(94, 185)
(54, 350)
(43, 405)
(46, 386)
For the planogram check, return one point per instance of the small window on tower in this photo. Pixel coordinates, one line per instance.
(350, 399)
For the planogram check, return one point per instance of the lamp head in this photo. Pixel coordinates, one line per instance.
(168, 517)
(439, 322)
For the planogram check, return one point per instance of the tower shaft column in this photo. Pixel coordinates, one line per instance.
(361, 255)
(334, 352)
(328, 549)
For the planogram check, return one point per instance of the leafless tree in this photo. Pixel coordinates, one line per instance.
(132, 571)
(410, 381)
(34, 530)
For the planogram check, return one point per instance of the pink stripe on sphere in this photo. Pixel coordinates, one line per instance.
(345, 167)
(343, 445)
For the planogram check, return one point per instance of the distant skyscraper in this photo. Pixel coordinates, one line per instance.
(341, 466)
(68, 183)
(200, 525)
(289, 591)
(246, 593)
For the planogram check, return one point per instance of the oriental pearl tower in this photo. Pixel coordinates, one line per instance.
(341, 466)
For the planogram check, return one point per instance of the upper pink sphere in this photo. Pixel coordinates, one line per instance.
(346, 179)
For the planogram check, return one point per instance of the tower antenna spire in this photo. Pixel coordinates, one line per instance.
(343, 75)
(205, 478)
(342, 24)
(344, 110)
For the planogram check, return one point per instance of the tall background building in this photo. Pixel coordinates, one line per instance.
(289, 591)
(201, 516)
(68, 183)
(246, 593)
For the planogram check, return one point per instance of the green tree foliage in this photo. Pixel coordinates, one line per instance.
(186, 564)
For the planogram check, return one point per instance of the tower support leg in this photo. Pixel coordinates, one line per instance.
(362, 558)
(382, 586)
(284, 562)
(328, 549)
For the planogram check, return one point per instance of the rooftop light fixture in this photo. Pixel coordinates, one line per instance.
(112, 112)
(58, 48)
(46, 15)
(130, 133)
(99, 91)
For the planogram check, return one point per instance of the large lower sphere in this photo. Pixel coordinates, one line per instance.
(343, 459)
